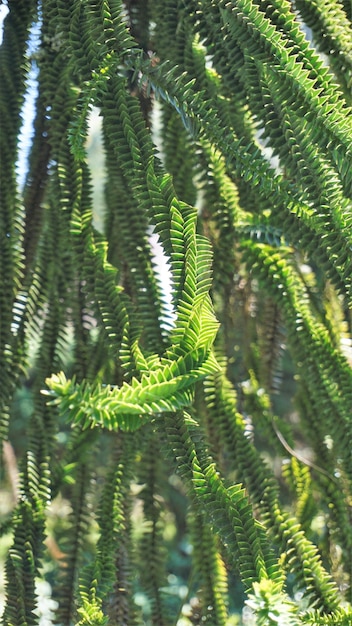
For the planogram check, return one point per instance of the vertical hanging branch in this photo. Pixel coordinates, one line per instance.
(14, 67)
(151, 550)
(103, 583)
(209, 571)
(72, 546)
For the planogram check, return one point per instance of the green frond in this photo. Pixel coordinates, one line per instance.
(272, 607)
(121, 607)
(299, 480)
(179, 156)
(14, 69)
(272, 338)
(210, 571)
(237, 528)
(91, 613)
(151, 549)
(195, 323)
(129, 242)
(166, 389)
(21, 570)
(24, 557)
(342, 617)
(34, 188)
(104, 576)
(65, 588)
(329, 480)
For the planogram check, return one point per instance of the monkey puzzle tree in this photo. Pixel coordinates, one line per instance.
(227, 136)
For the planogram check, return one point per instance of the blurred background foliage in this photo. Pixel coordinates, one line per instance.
(272, 194)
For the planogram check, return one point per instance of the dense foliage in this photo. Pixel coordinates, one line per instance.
(215, 427)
